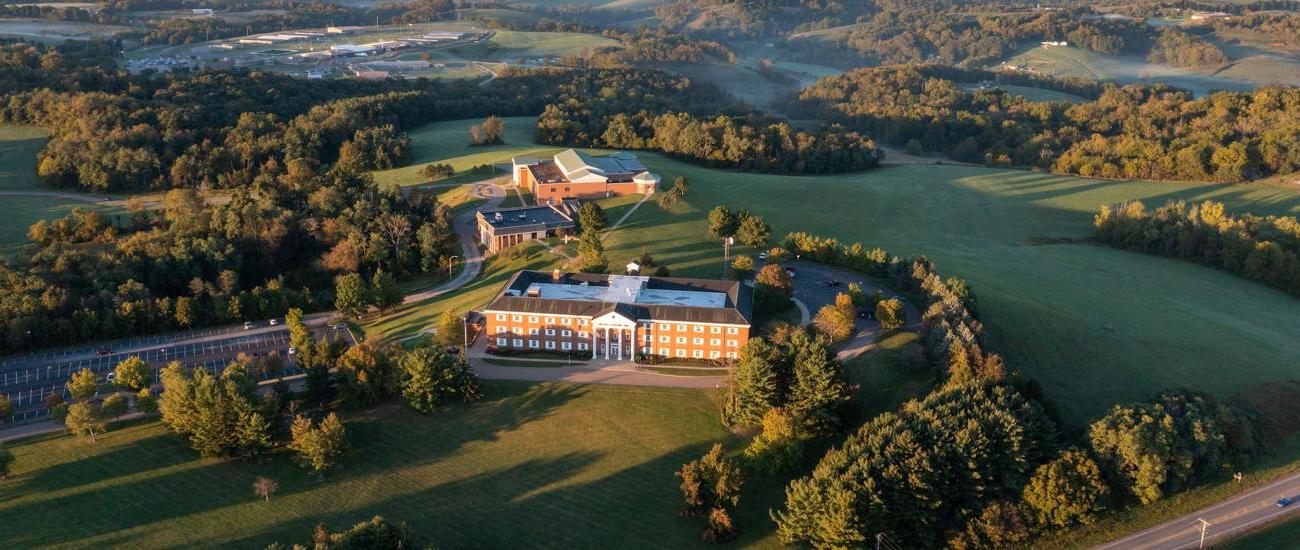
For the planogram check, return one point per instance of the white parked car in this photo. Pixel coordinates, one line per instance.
(248, 325)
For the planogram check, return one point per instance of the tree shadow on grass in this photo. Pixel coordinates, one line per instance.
(181, 485)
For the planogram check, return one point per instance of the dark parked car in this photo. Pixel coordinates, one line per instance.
(104, 351)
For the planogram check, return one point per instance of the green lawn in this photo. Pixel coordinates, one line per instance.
(1279, 535)
(1095, 326)
(448, 142)
(1041, 94)
(22, 212)
(516, 46)
(1070, 61)
(884, 378)
(18, 148)
(547, 465)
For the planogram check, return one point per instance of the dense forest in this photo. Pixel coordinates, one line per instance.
(644, 45)
(293, 156)
(1148, 132)
(1261, 248)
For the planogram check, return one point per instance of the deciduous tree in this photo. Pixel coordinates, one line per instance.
(83, 384)
(133, 373)
(265, 487)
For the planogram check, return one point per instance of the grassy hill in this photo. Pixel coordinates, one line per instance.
(18, 148)
(1095, 326)
(549, 465)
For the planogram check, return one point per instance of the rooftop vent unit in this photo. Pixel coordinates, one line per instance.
(534, 292)
(523, 216)
(555, 275)
(499, 217)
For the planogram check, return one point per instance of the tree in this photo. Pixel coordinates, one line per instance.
(368, 374)
(6, 409)
(265, 487)
(350, 294)
(890, 313)
(83, 384)
(711, 483)
(723, 223)
(591, 217)
(384, 291)
(819, 390)
(742, 268)
(451, 331)
(6, 461)
(778, 448)
(591, 253)
(318, 447)
(491, 132)
(1067, 490)
(675, 194)
(753, 388)
(376, 534)
(133, 373)
(114, 406)
(772, 289)
(145, 402)
(253, 434)
(83, 420)
(834, 323)
(217, 414)
(301, 338)
(752, 230)
(431, 376)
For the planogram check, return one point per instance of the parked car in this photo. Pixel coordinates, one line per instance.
(339, 326)
(1285, 501)
(833, 283)
(104, 351)
(762, 256)
(293, 350)
(248, 325)
(790, 271)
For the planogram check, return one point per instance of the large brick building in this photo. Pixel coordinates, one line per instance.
(620, 316)
(574, 175)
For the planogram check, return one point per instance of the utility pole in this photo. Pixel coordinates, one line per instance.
(880, 537)
(726, 255)
(1204, 524)
(464, 335)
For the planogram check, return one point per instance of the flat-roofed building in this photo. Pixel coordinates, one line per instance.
(506, 227)
(620, 316)
(572, 174)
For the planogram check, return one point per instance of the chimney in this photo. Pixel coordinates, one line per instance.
(555, 275)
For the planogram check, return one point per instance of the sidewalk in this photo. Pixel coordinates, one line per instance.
(593, 371)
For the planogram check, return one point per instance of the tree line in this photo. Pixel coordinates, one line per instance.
(646, 45)
(1260, 248)
(980, 462)
(1137, 131)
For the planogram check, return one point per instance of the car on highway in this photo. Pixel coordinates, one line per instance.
(104, 351)
(248, 325)
(1285, 501)
(273, 322)
(112, 377)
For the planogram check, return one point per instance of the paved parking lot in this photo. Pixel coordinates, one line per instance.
(27, 380)
(816, 285)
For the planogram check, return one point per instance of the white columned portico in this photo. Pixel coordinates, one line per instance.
(620, 333)
(593, 341)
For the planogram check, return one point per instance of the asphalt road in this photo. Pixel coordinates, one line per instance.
(1232, 517)
(466, 232)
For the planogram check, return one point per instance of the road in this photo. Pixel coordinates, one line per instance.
(466, 232)
(80, 197)
(1227, 519)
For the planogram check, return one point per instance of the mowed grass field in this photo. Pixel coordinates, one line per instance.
(537, 466)
(18, 148)
(1095, 326)
(1069, 61)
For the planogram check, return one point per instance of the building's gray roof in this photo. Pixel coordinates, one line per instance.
(737, 311)
(522, 219)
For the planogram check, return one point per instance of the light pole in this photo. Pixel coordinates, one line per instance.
(726, 255)
(1204, 524)
(451, 263)
(464, 334)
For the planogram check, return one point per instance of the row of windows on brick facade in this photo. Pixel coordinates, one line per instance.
(582, 346)
(582, 334)
(583, 322)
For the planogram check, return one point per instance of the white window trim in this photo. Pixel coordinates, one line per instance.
(550, 344)
(582, 346)
(532, 344)
(502, 341)
(518, 343)
(566, 346)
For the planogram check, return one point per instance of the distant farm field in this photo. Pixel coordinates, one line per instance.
(547, 465)
(1095, 326)
(56, 31)
(507, 45)
(1244, 73)
(1040, 94)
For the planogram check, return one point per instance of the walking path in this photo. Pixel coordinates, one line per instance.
(473, 259)
(624, 217)
(80, 197)
(593, 371)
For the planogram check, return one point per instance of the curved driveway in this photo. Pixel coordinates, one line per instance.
(465, 232)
